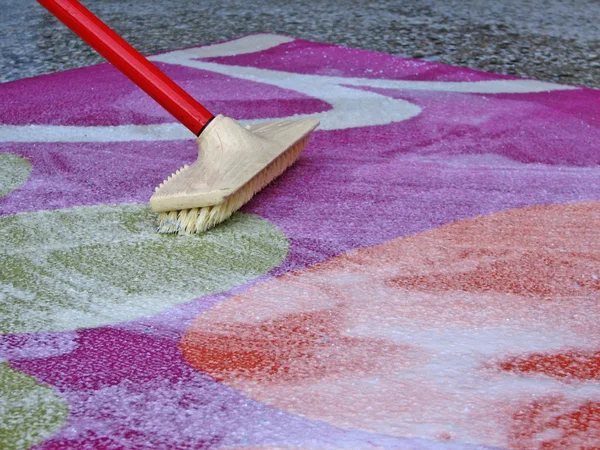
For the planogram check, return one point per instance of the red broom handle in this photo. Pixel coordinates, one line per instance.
(129, 61)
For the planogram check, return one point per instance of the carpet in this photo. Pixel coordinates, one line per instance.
(426, 276)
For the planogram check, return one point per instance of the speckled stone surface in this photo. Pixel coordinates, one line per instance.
(554, 40)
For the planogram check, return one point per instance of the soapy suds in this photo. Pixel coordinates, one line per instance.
(14, 171)
(29, 411)
(36, 345)
(403, 338)
(89, 266)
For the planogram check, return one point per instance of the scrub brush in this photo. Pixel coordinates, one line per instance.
(234, 162)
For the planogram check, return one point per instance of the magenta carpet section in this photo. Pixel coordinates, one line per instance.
(426, 276)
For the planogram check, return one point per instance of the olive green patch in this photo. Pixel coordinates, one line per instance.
(90, 266)
(14, 171)
(31, 412)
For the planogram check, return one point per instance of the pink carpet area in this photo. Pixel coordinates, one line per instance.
(426, 276)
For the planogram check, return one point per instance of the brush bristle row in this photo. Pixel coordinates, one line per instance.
(198, 220)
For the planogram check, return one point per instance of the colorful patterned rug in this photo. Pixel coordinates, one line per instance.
(425, 277)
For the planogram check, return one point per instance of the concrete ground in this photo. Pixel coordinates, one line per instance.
(552, 40)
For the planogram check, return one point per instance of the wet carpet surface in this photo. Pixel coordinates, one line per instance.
(426, 276)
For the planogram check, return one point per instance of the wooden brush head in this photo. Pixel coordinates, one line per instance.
(229, 156)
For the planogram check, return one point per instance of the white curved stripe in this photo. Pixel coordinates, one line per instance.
(305, 83)
(348, 112)
(350, 107)
(119, 133)
(248, 44)
(261, 42)
(519, 86)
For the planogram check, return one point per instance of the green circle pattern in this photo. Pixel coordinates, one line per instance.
(14, 171)
(86, 267)
(31, 412)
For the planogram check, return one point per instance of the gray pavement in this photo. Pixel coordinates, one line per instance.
(551, 40)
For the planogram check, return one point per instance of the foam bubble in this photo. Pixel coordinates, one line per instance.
(90, 266)
(29, 411)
